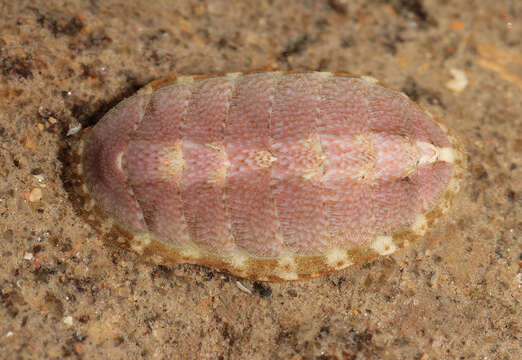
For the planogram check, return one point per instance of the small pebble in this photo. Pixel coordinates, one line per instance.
(29, 142)
(74, 130)
(35, 195)
(68, 320)
(39, 178)
(243, 288)
(459, 81)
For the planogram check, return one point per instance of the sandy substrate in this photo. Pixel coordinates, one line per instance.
(66, 294)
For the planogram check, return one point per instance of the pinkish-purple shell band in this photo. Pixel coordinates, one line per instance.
(267, 164)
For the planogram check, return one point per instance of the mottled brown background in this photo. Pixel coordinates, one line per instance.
(64, 294)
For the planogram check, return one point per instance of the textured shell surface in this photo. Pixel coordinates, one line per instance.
(269, 175)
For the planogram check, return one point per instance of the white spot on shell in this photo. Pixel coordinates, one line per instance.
(238, 260)
(157, 259)
(139, 242)
(277, 74)
(285, 275)
(189, 80)
(420, 225)
(264, 159)
(337, 258)
(234, 75)
(428, 152)
(107, 225)
(287, 267)
(324, 75)
(119, 159)
(446, 154)
(171, 161)
(384, 245)
(190, 253)
(144, 239)
(147, 90)
(219, 176)
(369, 79)
(287, 262)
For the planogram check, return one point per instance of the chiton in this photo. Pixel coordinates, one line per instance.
(269, 175)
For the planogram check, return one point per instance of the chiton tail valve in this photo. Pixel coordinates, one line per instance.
(268, 175)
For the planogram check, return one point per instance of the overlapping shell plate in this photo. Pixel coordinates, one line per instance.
(268, 176)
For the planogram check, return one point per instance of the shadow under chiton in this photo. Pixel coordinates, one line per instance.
(269, 175)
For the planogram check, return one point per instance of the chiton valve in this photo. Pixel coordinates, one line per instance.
(268, 176)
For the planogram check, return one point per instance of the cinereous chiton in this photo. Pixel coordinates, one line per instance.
(268, 175)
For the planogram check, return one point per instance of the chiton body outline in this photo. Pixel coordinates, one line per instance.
(445, 150)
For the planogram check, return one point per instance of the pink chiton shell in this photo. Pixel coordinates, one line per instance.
(269, 176)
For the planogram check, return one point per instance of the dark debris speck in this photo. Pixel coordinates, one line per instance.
(294, 47)
(262, 289)
(60, 24)
(415, 8)
(16, 66)
(338, 7)
(36, 171)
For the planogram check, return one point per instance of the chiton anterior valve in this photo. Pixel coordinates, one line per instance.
(269, 175)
